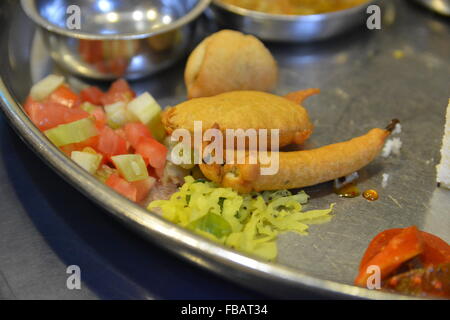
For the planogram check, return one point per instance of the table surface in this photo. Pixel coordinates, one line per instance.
(47, 225)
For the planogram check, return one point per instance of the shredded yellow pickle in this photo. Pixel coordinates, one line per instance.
(248, 223)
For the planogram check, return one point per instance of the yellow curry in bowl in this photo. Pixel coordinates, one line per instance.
(295, 7)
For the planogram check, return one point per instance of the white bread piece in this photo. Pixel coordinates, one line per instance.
(443, 169)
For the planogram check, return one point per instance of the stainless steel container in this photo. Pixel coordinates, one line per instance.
(108, 39)
(290, 28)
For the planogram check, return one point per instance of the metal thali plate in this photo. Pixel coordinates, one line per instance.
(366, 77)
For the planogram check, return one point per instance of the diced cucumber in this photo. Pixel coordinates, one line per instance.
(73, 132)
(104, 173)
(131, 167)
(116, 114)
(87, 160)
(131, 117)
(88, 107)
(146, 110)
(45, 87)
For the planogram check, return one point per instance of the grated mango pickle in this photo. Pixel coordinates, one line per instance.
(248, 223)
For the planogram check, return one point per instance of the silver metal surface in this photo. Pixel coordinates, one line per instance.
(367, 78)
(439, 6)
(130, 39)
(289, 28)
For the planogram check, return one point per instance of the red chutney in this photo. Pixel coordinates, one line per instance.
(410, 261)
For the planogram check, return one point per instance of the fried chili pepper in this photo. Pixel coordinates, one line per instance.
(300, 169)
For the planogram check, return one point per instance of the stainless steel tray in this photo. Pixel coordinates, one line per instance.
(367, 78)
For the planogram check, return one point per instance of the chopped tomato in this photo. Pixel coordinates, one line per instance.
(135, 131)
(100, 117)
(153, 152)
(436, 250)
(92, 94)
(377, 245)
(143, 187)
(89, 143)
(75, 114)
(50, 114)
(30, 104)
(64, 96)
(121, 133)
(119, 91)
(400, 248)
(64, 106)
(122, 186)
(111, 144)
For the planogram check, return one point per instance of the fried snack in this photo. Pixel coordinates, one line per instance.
(242, 110)
(228, 61)
(303, 168)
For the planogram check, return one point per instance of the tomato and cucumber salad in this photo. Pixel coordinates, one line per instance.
(114, 135)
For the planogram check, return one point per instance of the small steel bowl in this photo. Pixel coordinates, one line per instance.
(290, 28)
(109, 39)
